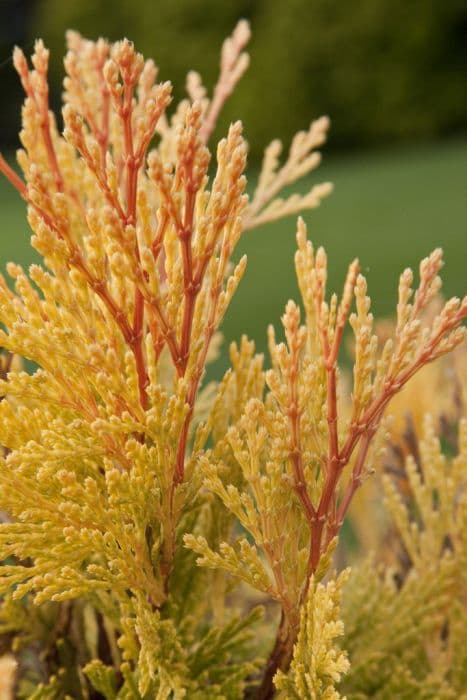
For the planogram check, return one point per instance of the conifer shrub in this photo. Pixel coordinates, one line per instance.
(162, 537)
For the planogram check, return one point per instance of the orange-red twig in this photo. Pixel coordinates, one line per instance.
(13, 177)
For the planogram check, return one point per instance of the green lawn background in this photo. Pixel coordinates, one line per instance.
(389, 208)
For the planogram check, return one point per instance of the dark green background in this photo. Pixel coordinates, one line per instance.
(385, 70)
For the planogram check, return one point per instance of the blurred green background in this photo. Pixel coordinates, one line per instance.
(390, 73)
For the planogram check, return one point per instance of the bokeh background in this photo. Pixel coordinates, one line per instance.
(391, 74)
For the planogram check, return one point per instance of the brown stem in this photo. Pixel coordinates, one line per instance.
(316, 536)
(279, 658)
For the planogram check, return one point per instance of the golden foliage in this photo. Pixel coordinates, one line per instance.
(114, 454)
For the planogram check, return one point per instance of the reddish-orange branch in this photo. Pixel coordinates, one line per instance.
(42, 105)
(190, 289)
(45, 127)
(99, 286)
(157, 243)
(133, 336)
(158, 320)
(103, 133)
(368, 424)
(196, 378)
(353, 483)
(294, 415)
(13, 177)
(395, 384)
(133, 165)
(179, 470)
(333, 462)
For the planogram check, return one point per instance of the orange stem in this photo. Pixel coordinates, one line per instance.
(353, 484)
(190, 289)
(132, 167)
(13, 177)
(294, 415)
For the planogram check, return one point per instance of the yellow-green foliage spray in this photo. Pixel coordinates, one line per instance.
(148, 519)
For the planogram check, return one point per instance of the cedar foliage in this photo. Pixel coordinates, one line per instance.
(141, 508)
